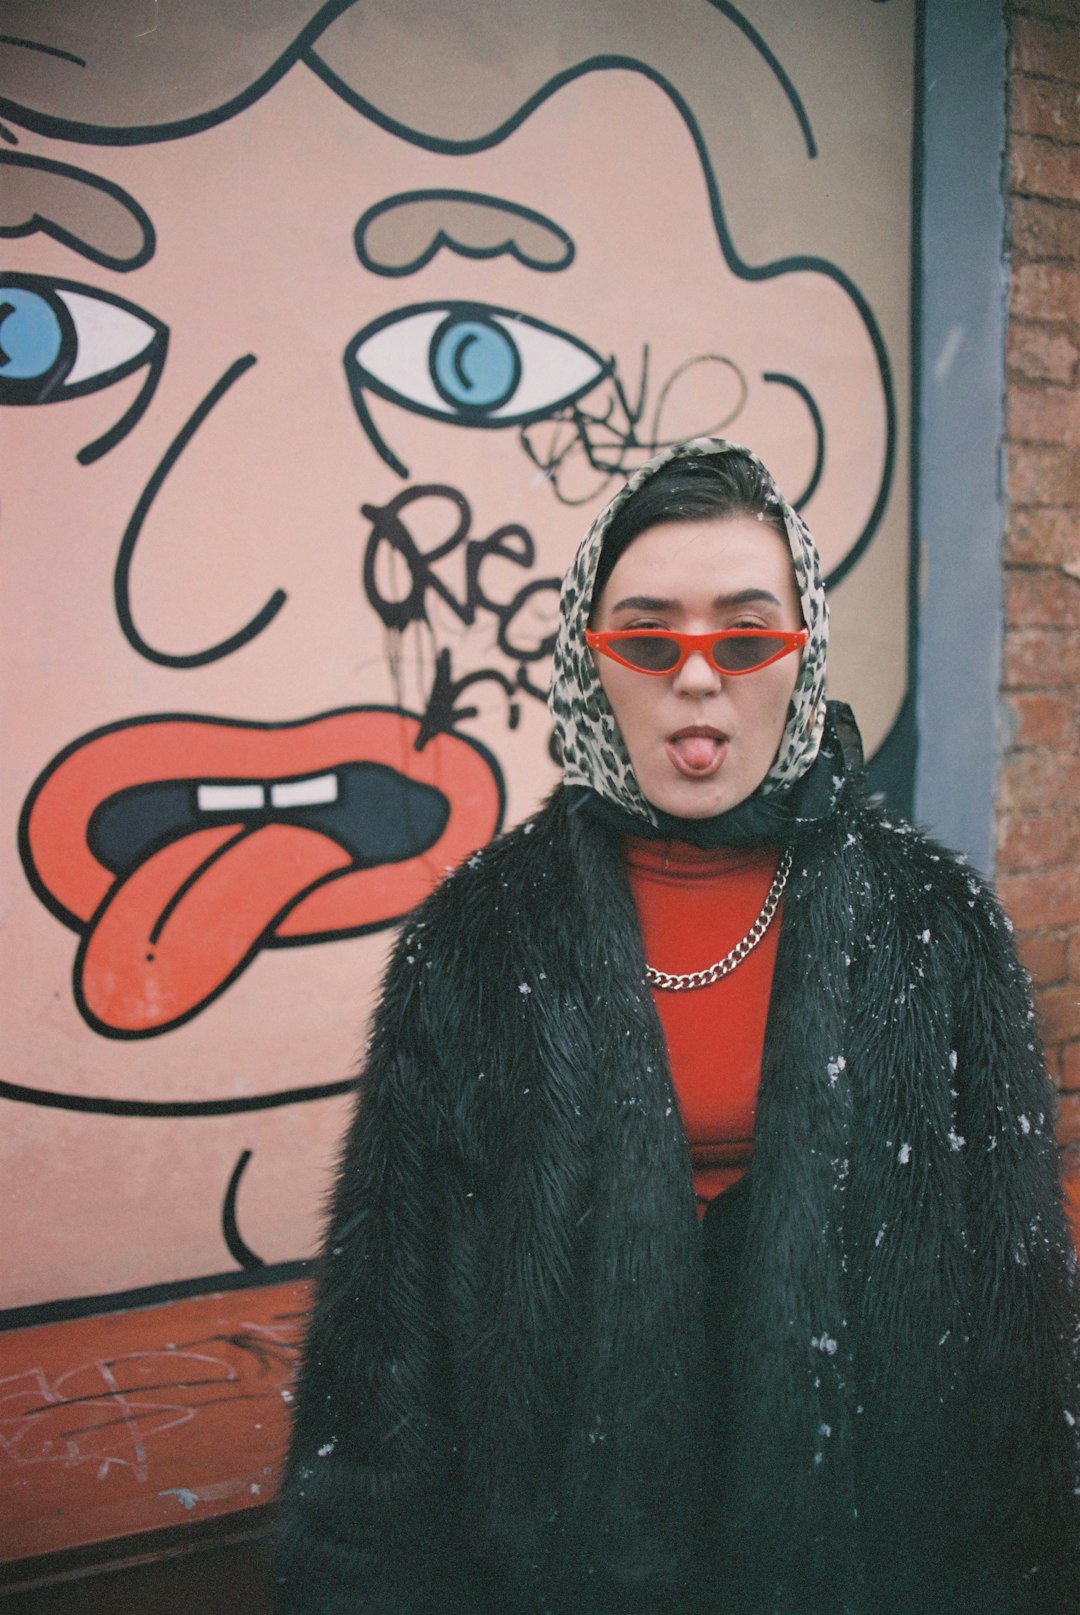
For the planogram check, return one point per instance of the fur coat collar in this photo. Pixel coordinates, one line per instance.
(520, 1394)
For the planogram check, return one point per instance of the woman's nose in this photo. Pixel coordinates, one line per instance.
(698, 675)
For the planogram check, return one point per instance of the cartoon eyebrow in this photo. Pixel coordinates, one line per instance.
(81, 210)
(402, 233)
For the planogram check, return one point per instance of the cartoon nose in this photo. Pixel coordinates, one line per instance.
(243, 511)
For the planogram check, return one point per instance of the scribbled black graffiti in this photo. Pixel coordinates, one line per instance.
(525, 630)
(609, 436)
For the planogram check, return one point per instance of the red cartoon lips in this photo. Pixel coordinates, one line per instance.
(180, 846)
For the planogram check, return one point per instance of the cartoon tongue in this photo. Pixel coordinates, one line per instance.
(191, 916)
(696, 753)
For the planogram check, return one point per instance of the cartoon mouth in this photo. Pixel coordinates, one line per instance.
(180, 847)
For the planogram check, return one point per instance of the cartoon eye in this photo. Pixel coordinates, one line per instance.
(61, 340)
(470, 363)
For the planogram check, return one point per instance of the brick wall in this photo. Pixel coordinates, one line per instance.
(1038, 806)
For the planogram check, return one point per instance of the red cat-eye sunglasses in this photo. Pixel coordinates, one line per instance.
(660, 651)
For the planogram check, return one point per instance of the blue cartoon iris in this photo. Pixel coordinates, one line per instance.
(35, 337)
(474, 363)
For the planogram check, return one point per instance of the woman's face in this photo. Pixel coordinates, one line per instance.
(700, 741)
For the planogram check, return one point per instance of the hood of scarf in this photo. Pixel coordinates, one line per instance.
(593, 753)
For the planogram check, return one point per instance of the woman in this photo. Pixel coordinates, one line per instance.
(534, 1382)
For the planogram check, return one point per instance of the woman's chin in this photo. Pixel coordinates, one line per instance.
(695, 799)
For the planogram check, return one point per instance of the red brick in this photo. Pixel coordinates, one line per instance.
(1041, 167)
(1048, 49)
(1046, 292)
(1058, 1014)
(1039, 107)
(1045, 720)
(1041, 535)
(1038, 781)
(1045, 898)
(1044, 414)
(1072, 960)
(1039, 475)
(1041, 352)
(1068, 1123)
(1044, 956)
(1043, 229)
(1034, 841)
(1070, 1065)
(1041, 659)
(1041, 597)
(1052, 1062)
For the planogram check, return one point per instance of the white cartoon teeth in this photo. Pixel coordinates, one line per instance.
(230, 798)
(311, 792)
(315, 791)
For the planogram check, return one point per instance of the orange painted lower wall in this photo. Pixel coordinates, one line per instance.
(136, 1421)
(133, 1421)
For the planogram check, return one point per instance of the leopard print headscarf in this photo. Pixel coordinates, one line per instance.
(590, 744)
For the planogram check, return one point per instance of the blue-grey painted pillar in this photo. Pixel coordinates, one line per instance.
(960, 504)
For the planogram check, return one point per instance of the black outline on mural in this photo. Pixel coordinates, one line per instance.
(159, 1109)
(238, 1247)
(37, 225)
(799, 387)
(84, 928)
(126, 553)
(45, 123)
(772, 61)
(442, 240)
(45, 50)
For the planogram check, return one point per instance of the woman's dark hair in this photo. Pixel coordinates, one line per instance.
(731, 484)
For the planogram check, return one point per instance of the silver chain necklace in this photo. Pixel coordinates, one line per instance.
(723, 967)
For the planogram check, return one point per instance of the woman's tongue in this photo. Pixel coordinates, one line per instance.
(697, 755)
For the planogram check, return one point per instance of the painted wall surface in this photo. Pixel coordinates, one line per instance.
(324, 332)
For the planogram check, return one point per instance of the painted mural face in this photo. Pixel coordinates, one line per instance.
(315, 421)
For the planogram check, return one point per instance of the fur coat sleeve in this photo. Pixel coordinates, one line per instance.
(507, 1403)
(371, 1476)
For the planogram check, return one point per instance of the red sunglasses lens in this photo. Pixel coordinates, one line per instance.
(742, 655)
(652, 655)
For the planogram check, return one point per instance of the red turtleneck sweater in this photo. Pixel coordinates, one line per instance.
(693, 907)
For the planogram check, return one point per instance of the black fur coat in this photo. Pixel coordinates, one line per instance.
(528, 1389)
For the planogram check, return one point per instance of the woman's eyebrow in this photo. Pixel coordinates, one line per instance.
(747, 597)
(644, 602)
(741, 597)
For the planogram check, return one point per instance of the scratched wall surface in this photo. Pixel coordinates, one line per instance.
(111, 1426)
